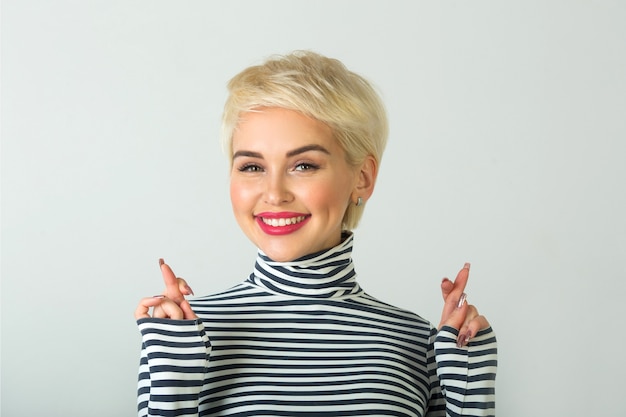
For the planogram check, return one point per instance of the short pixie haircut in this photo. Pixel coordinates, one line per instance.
(321, 88)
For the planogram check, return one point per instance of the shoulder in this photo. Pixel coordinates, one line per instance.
(397, 314)
(239, 293)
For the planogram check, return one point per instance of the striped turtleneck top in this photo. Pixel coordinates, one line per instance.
(303, 339)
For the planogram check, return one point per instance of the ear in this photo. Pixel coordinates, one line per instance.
(366, 180)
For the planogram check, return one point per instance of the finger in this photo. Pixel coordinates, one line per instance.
(460, 282)
(446, 288)
(184, 288)
(454, 314)
(171, 283)
(188, 313)
(168, 309)
(465, 333)
(475, 325)
(145, 304)
(452, 293)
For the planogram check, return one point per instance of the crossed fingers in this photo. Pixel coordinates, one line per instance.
(171, 303)
(457, 312)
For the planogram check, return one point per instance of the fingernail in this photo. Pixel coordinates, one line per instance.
(188, 288)
(467, 265)
(161, 262)
(158, 296)
(462, 300)
(462, 340)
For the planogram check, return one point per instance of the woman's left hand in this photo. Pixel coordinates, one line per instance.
(457, 313)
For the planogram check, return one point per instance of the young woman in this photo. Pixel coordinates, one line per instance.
(299, 337)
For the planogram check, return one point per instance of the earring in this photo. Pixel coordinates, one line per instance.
(359, 201)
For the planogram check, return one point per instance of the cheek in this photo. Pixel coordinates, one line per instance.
(239, 196)
(331, 197)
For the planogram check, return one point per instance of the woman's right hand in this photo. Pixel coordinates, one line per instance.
(172, 303)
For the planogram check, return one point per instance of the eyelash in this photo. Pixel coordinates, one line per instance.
(308, 166)
(301, 166)
(250, 168)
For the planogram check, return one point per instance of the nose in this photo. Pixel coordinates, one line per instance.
(277, 190)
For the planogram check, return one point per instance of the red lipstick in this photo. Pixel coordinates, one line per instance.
(281, 223)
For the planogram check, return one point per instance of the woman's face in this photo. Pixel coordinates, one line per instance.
(290, 183)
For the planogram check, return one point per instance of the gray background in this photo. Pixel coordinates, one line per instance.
(507, 150)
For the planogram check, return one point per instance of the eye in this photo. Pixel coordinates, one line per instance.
(250, 168)
(305, 166)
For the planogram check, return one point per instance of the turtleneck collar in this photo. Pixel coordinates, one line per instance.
(326, 274)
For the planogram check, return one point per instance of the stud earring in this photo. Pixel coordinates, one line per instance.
(359, 201)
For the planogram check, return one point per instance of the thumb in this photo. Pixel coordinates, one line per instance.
(188, 313)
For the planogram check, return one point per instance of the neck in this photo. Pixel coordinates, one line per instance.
(326, 274)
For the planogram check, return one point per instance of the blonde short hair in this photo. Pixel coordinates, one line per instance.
(321, 88)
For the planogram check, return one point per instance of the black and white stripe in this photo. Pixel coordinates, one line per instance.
(303, 339)
(327, 274)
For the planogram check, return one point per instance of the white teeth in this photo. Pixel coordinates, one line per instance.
(283, 221)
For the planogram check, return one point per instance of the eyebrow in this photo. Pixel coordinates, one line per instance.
(291, 153)
(308, 148)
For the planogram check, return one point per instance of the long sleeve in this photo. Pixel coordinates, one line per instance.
(174, 360)
(467, 375)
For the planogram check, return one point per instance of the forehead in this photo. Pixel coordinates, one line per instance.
(275, 128)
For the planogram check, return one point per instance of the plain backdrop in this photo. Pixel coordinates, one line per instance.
(507, 149)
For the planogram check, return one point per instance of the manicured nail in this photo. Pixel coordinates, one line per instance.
(462, 340)
(462, 300)
(188, 288)
(158, 296)
(467, 265)
(161, 262)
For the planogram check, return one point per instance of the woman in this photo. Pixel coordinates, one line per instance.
(299, 337)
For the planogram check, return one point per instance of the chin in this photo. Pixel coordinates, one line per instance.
(282, 256)
(280, 248)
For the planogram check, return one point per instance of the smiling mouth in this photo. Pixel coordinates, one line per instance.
(283, 221)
